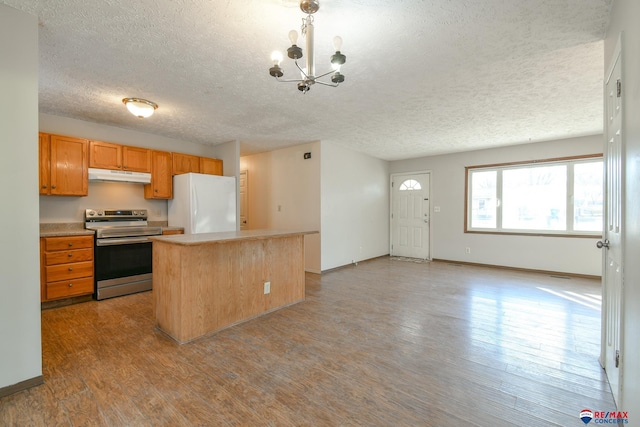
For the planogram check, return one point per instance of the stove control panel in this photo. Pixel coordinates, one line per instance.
(115, 214)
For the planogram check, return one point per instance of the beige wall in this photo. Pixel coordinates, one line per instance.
(284, 193)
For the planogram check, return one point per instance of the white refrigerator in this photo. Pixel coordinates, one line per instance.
(203, 203)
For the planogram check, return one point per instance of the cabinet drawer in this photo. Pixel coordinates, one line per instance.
(61, 257)
(69, 242)
(55, 273)
(69, 288)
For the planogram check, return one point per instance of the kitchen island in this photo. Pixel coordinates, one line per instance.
(206, 282)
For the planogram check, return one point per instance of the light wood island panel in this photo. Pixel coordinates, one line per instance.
(205, 282)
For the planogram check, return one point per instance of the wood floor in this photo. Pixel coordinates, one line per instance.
(383, 343)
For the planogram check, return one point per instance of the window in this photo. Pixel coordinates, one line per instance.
(410, 184)
(563, 196)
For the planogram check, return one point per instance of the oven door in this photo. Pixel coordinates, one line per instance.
(122, 266)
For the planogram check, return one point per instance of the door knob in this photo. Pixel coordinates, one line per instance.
(602, 244)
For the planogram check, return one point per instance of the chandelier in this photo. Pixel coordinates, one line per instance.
(308, 75)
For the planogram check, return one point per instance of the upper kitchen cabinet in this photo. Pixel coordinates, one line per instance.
(185, 163)
(64, 164)
(210, 166)
(105, 155)
(44, 157)
(161, 186)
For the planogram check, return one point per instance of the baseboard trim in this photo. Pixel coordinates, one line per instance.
(528, 270)
(353, 264)
(22, 385)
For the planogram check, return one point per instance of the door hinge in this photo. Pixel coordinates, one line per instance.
(619, 88)
(617, 358)
(392, 184)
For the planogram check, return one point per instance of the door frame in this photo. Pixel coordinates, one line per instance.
(400, 174)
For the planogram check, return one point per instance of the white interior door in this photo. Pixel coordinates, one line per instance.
(244, 194)
(410, 215)
(612, 272)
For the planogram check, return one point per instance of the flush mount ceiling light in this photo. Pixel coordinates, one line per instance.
(140, 107)
(308, 74)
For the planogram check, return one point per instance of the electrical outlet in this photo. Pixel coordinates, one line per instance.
(467, 250)
(267, 287)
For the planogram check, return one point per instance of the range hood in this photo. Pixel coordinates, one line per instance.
(118, 176)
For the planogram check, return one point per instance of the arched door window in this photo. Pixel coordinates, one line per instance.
(410, 184)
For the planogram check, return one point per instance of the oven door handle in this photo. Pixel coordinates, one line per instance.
(121, 241)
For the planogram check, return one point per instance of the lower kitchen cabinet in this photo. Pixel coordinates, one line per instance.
(66, 267)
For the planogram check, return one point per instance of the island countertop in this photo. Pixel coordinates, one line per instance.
(227, 236)
(206, 282)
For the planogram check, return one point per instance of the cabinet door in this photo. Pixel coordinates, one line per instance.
(69, 166)
(44, 158)
(185, 163)
(105, 155)
(210, 166)
(161, 186)
(136, 159)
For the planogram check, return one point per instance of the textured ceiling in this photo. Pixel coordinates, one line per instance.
(423, 77)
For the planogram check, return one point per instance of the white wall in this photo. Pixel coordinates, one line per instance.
(569, 255)
(112, 195)
(284, 193)
(624, 17)
(229, 153)
(355, 206)
(20, 348)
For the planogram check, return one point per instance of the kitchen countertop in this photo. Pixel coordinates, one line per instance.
(61, 229)
(226, 236)
(58, 229)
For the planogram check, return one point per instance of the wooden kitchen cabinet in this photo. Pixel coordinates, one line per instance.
(44, 158)
(64, 163)
(136, 159)
(161, 186)
(185, 163)
(106, 155)
(66, 267)
(210, 166)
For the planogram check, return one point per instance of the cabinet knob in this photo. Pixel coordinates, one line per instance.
(53, 186)
(70, 244)
(70, 255)
(70, 268)
(156, 190)
(71, 285)
(44, 186)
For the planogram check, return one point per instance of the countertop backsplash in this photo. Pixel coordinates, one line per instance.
(102, 195)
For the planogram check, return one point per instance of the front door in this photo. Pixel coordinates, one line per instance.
(410, 215)
(612, 271)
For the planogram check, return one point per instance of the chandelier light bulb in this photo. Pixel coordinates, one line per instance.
(337, 43)
(293, 36)
(276, 57)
